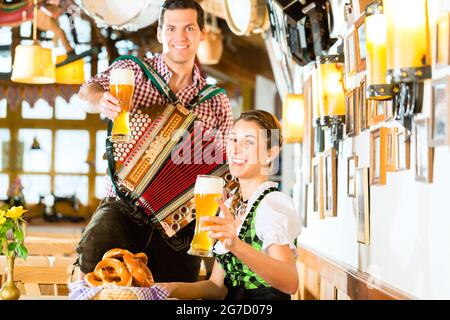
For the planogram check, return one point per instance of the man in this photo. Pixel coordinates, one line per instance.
(116, 224)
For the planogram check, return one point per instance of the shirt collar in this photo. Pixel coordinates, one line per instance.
(259, 191)
(164, 71)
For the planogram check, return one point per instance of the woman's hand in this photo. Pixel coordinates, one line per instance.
(168, 286)
(222, 228)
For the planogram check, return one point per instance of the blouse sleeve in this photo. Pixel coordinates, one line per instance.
(277, 221)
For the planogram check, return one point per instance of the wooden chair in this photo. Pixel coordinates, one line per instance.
(42, 275)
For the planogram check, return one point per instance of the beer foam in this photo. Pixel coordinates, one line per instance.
(208, 185)
(121, 76)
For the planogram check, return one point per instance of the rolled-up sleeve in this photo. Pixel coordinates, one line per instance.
(277, 221)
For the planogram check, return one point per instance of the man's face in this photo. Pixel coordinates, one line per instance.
(180, 35)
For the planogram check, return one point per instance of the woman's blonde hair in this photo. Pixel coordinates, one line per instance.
(270, 123)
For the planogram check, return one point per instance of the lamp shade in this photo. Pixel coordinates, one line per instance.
(330, 86)
(71, 73)
(293, 118)
(377, 87)
(408, 49)
(33, 64)
(210, 50)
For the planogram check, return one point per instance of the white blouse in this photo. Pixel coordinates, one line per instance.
(277, 220)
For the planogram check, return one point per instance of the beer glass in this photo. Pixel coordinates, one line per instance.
(121, 85)
(207, 190)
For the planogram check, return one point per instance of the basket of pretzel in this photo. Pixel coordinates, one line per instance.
(120, 275)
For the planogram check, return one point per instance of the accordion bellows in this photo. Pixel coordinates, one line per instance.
(162, 184)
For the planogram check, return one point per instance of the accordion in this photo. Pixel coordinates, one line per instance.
(157, 170)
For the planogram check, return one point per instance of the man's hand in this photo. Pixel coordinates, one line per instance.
(109, 105)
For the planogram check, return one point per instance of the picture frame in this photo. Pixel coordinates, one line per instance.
(317, 186)
(403, 142)
(377, 112)
(443, 40)
(440, 112)
(350, 52)
(360, 41)
(389, 110)
(363, 206)
(352, 164)
(424, 154)
(330, 182)
(309, 129)
(391, 150)
(378, 156)
(363, 106)
(350, 112)
(363, 4)
(304, 204)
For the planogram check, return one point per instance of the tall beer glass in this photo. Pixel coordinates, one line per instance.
(121, 85)
(207, 190)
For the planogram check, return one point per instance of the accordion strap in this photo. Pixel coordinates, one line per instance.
(205, 93)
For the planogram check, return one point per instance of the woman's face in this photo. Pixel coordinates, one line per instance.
(247, 152)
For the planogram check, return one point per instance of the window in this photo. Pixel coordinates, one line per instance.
(100, 164)
(67, 186)
(4, 149)
(71, 151)
(35, 185)
(4, 185)
(3, 109)
(100, 185)
(41, 110)
(68, 111)
(35, 160)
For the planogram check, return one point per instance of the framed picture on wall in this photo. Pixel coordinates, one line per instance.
(363, 107)
(350, 112)
(330, 182)
(424, 153)
(443, 40)
(377, 112)
(403, 142)
(317, 187)
(363, 205)
(391, 150)
(308, 131)
(378, 156)
(352, 164)
(389, 109)
(440, 112)
(360, 41)
(350, 53)
(304, 205)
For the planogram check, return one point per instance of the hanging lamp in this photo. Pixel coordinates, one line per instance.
(33, 64)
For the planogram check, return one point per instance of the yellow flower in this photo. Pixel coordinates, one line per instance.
(15, 212)
(2, 217)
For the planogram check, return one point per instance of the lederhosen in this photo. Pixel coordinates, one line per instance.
(242, 283)
(118, 222)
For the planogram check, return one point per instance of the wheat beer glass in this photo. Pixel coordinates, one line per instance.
(121, 85)
(207, 190)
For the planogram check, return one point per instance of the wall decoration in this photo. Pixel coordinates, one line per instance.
(424, 153)
(440, 112)
(351, 112)
(304, 204)
(391, 150)
(317, 189)
(363, 205)
(377, 111)
(308, 131)
(360, 43)
(443, 40)
(330, 182)
(389, 110)
(363, 106)
(378, 156)
(403, 143)
(350, 53)
(352, 164)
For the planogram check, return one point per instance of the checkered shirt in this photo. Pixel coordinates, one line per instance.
(80, 291)
(238, 274)
(215, 113)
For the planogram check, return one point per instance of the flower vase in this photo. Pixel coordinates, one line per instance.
(9, 290)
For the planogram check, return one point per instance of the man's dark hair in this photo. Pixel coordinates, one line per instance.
(182, 4)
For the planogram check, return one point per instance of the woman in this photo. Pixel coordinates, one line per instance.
(257, 227)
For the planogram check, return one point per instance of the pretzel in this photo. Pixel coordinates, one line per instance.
(118, 253)
(139, 271)
(119, 276)
(93, 280)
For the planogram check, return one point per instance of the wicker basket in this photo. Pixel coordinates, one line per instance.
(115, 294)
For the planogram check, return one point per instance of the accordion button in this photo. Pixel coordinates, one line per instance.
(184, 210)
(133, 120)
(175, 227)
(122, 149)
(145, 125)
(176, 217)
(116, 158)
(127, 150)
(115, 145)
(139, 111)
(121, 158)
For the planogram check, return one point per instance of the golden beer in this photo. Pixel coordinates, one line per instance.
(207, 190)
(121, 86)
